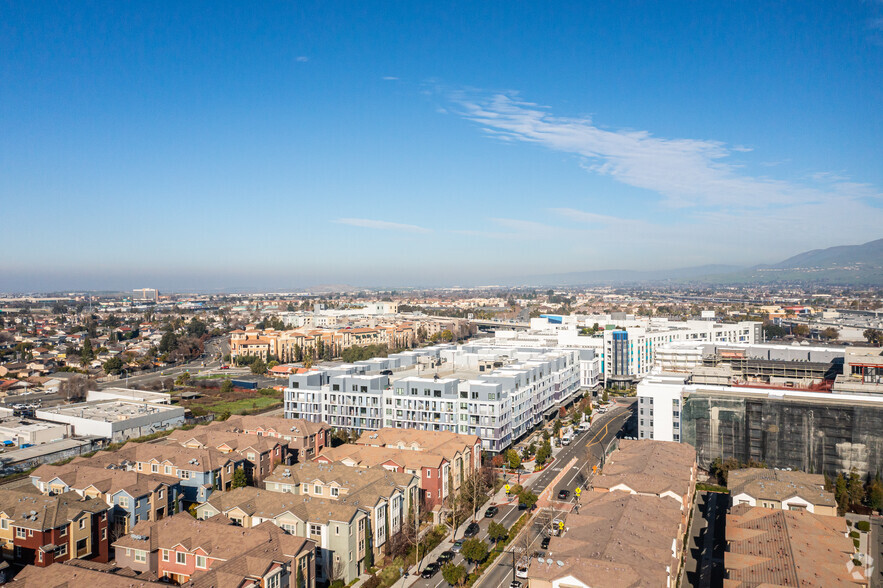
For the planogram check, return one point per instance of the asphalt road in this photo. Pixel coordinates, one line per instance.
(587, 448)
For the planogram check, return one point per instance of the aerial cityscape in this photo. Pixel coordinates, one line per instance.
(441, 295)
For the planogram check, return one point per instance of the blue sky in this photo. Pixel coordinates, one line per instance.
(221, 145)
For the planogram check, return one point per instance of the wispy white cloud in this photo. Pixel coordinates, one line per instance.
(302, 58)
(685, 172)
(390, 78)
(382, 225)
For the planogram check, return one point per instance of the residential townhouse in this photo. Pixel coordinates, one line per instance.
(463, 452)
(68, 573)
(39, 530)
(305, 439)
(261, 454)
(217, 553)
(387, 496)
(768, 547)
(201, 471)
(339, 527)
(781, 489)
(131, 496)
(432, 470)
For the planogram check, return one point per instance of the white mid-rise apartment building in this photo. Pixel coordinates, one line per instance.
(626, 345)
(498, 394)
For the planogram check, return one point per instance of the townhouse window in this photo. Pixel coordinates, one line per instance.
(103, 534)
(154, 468)
(140, 556)
(160, 494)
(337, 529)
(318, 489)
(335, 492)
(21, 532)
(315, 529)
(62, 550)
(185, 474)
(82, 523)
(250, 456)
(200, 562)
(124, 501)
(128, 552)
(169, 470)
(428, 473)
(4, 524)
(165, 555)
(180, 557)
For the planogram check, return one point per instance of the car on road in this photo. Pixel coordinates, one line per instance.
(471, 531)
(522, 506)
(491, 512)
(225, 367)
(458, 544)
(444, 557)
(430, 570)
(563, 494)
(545, 542)
(515, 584)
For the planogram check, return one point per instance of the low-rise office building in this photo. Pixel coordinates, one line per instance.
(32, 432)
(116, 420)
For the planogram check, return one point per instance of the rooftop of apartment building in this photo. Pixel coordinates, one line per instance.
(616, 540)
(441, 442)
(648, 466)
(258, 502)
(778, 485)
(81, 476)
(197, 460)
(350, 481)
(218, 536)
(788, 548)
(368, 456)
(72, 573)
(31, 510)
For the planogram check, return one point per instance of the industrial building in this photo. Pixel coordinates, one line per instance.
(116, 420)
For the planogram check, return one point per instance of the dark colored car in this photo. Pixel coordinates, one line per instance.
(430, 570)
(545, 543)
(515, 584)
(444, 557)
(522, 506)
(491, 512)
(471, 531)
(563, 494)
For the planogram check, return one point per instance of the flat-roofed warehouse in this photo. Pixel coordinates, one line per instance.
(117, 420)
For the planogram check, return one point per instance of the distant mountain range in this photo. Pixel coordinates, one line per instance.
(857, 265)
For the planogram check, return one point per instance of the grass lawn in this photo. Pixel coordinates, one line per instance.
(245, 404)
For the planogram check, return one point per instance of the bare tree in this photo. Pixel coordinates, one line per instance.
(74, 388)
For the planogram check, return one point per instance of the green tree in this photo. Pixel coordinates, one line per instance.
(226, 386)
(514, 459)
(113, 365)
(196, 328)
(86, 353)
(240, 480)
(258, 367)
(544, 453)
(497, 532)
(169, 342)
(182, 379)
(604, 396)
(856, 488)
(556, 428)
(875, 494)
(873, 336)
(527, 498)
(841, 494)
(369, 550)
(830, 333)
(475, 550)
(800, 330)
(454, 575)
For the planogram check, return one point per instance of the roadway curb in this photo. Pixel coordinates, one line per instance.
(544, 500)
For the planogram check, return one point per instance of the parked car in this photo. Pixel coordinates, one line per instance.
(444, 557)
(471, 531)
(430, 570)
(458, 544)
(491, 512)
(515, 584)
(563, 494)
(545, 542)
